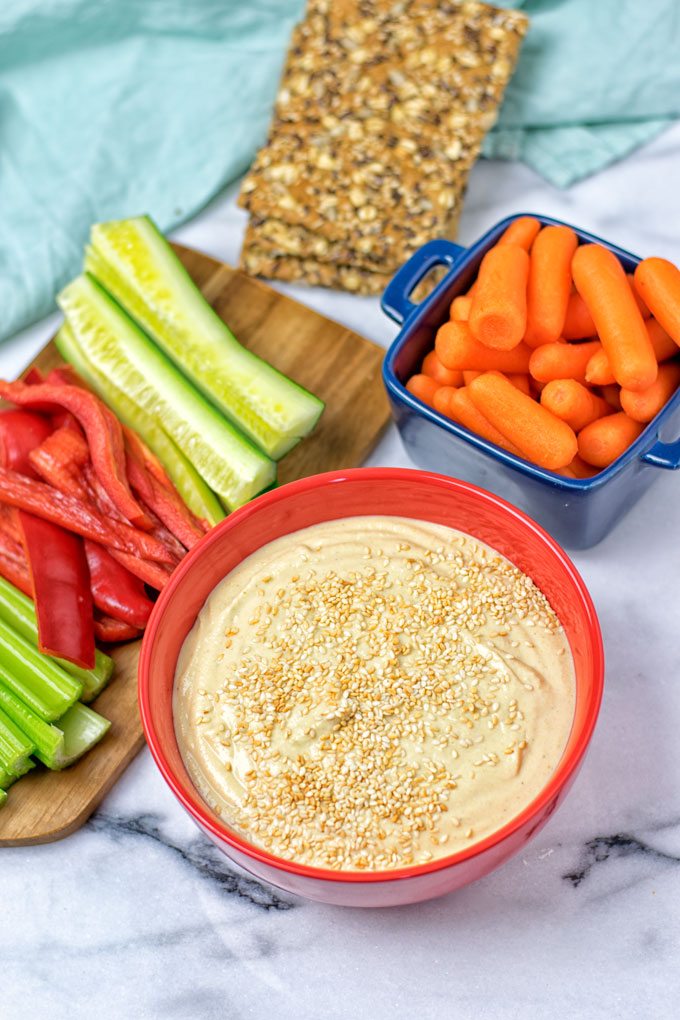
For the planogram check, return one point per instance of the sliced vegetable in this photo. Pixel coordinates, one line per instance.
(156, 575)
(191, 487)
(102, 429)
(164, 502)
(43, 685)
(135, 263)
(21, 432)
(116, 591)
(57, 746)
(6, 780)
(72, 514)
(82, 728)
(109, 630)
(231, 466)
(15, 747)
(17, 610)
(61, 590)
(45, 737)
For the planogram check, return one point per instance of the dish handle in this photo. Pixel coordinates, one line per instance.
(663, 455)
(395, 300)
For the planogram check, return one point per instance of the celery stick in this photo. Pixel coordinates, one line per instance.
(46, 738)
(17, 610)
(6, 778)
(37, 680)
(55, 745)
(82, 728)
(15, 747)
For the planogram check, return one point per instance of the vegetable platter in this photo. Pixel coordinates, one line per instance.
(325, 359)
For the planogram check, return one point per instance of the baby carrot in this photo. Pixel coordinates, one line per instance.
(664, 346)
(657, 281)
(549, 284)
(573, 403)
(464, 411)
(423, 387)
(644, 310)
(578, 469)
(457, 348)
(562, 361)
(601, 442)
(433, 367)
(542, 438)
(498, 315)
(442, 399)
(646, 405)
(599, 371)
(578, 322)
(602, 283)
(521, 232)
(469, 376)
(520, 380)
(612, 394)
(460, 307)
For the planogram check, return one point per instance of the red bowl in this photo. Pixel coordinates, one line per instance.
(392, 491)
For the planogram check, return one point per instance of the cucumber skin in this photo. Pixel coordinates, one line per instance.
(203, 503)
(219, 344)
(229, 434)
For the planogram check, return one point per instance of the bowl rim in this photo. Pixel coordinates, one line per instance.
(191, 799)
(400, 395)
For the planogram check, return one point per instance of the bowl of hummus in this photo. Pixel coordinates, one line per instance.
(372, 687)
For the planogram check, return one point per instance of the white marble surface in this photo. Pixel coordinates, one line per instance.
(136, 916)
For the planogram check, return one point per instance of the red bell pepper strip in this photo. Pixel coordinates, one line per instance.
(156, 575)
(103, 432)
(72, 514)
(166, 504)
(104, 507)
(21, 432)
(110, 631)
(136, 444)
(33, 376)
(9, 523)
(59, 460)
(56, 564)
(116, 591)
(61, 590)
(16, 573)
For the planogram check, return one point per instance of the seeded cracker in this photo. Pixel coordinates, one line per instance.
(380, 115)
(316, 274)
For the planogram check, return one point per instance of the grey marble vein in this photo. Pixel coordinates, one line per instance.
(199, 853)
(605, 848)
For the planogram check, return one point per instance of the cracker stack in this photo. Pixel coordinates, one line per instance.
(380, 115)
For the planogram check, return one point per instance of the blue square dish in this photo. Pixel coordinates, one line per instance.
(578, 512)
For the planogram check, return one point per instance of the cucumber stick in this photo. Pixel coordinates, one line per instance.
(135, 263)
(233, 468)
(191, 487)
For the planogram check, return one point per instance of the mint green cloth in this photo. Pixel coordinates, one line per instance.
(596, 79)
(110, 108)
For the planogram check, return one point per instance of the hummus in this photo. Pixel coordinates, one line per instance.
(373, 692)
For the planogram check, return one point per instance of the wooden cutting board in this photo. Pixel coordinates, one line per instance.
(331, 361)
